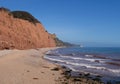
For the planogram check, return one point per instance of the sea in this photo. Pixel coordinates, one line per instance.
(103, 61)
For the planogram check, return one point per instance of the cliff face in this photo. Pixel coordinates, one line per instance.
(22, 33)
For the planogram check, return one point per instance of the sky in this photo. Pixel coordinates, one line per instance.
(86, 22)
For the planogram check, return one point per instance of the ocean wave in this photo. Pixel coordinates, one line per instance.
(85, 66)
(86, 59)
(52, 59)
(115, 71)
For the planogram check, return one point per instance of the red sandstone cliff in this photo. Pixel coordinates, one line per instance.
(22, 34)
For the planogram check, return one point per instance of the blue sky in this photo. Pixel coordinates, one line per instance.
(90, 22)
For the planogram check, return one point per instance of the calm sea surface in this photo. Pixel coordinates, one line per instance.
(104, 61)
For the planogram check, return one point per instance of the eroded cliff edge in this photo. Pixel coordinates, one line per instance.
(21, 30)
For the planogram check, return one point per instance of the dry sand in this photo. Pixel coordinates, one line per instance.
(26, 67)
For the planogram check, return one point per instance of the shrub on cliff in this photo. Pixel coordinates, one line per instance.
(25, 16)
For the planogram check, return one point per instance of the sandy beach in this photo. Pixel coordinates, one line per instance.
(26, 67)
(29, 67)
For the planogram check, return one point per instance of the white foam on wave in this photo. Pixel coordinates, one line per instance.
(115, 71)
(71, 57)
(86, 65)
(52, 59)
(89, 55)
(87, 59)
